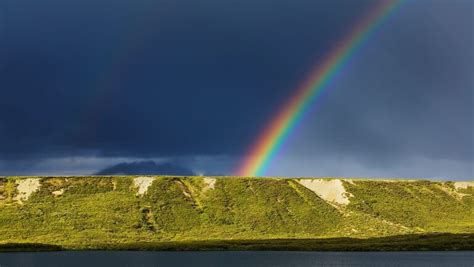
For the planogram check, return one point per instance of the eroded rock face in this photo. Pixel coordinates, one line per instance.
(463, 185)
(26, 187)
(209, 183)
(329, 190)
(2, 189)
(58, 192)
(142, 183)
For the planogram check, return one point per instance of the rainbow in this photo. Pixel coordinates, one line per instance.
(270, 141)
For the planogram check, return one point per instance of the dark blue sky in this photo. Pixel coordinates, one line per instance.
(88, 83)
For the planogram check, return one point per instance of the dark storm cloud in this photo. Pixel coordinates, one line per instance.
(181, 78)
(153, 78)
(408, 93)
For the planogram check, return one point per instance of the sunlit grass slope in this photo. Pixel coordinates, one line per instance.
(111, 212)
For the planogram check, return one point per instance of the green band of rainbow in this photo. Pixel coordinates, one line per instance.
(268, 144)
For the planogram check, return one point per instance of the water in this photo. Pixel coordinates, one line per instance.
(232, 258)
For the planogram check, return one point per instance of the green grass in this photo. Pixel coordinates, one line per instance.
(238, 213)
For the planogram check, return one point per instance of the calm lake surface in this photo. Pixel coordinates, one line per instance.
(255, 258)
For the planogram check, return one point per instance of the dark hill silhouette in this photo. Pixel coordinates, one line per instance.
(146, 168)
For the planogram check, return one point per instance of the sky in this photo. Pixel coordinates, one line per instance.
(88, 84)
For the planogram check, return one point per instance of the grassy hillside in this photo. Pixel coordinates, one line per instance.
(140, 212)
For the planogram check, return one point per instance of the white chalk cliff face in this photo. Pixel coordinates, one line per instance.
(26, 187)
(209, 183)
(330, 190)
(142, 183)
(463, 185)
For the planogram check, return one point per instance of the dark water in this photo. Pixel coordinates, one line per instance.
(229, 259)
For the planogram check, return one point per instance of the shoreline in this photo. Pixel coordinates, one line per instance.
(413, 242)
